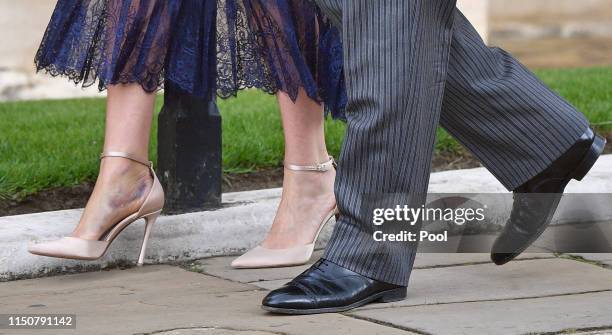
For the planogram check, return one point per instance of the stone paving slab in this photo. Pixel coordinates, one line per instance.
(577, 238)
(428, 260)
(171, 277)
(213, 331)
(522, 316)
(479, 244)
(271, 284)
(519, 279)
(220, 267)
(164, 299)
(267, 278)
(605, 259)
(442, 300)
(595, 332)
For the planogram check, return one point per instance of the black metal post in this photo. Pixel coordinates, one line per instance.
(189, 153)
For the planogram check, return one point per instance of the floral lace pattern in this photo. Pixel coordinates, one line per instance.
(205, 48)
(300, 49)
(239, 57)
(108, 41)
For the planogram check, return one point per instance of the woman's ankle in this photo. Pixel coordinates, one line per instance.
(309, 182)
(118, 168)
(122, 183)
(307, 156)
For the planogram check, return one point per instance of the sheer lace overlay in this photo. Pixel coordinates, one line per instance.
(203, 47)
(109, 41)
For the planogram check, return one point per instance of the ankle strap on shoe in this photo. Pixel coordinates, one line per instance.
(319, 167)
(127, 156)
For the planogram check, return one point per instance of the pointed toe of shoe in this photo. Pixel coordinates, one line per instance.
(500, 254)
(287, 298)
(238, 264)
(508, 245)
(247, 261)
(260, 257)
(41, 249)
(50, 248)
(71, 248)
(501, 258)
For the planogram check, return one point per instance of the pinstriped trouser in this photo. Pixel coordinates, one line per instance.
(411, 65)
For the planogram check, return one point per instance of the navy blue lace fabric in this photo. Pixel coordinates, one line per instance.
(206, 48)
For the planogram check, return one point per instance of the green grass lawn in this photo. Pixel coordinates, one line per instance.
(46, 144)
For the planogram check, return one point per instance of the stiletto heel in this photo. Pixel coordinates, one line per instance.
(149, 222)
(78, 248)
(261, 257)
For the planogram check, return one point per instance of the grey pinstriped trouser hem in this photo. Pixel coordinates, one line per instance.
(411, 65)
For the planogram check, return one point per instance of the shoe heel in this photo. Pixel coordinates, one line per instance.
(396, 294)
(149, 222)
(590, 158)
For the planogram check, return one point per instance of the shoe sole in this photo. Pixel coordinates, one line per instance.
(393, 295)
(587, 163)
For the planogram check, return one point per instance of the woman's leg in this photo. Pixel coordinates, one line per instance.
(307, 196)
(122, 184)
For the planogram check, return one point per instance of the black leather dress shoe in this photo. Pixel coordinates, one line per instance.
(328, 288)
(536, 201)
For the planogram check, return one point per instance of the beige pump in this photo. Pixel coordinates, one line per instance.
(260, 257)
(77, 248)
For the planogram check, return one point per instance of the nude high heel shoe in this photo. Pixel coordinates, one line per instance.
(78, 248)
(261, 257)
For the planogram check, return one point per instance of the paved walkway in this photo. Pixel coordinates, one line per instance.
(241, 224)
(448, 294)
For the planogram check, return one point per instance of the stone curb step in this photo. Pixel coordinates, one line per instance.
(239, 225)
